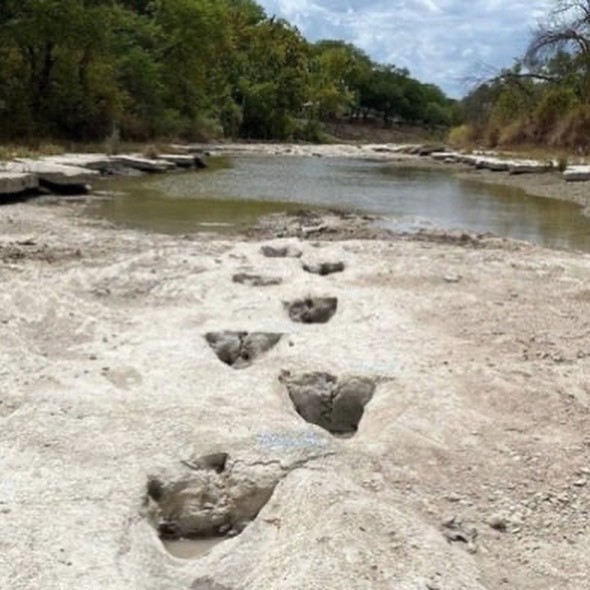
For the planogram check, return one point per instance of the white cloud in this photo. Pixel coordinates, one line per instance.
(439, 41)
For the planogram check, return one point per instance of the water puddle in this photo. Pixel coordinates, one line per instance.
(191, 548)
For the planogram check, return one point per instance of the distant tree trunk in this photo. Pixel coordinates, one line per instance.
(83, 68)
(44, 76)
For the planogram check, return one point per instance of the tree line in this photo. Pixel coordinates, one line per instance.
(544, 98)
(193, 69)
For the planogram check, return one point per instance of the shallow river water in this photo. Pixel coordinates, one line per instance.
(238, 191)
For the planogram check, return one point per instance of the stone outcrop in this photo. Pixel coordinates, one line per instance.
(17, 183)
(56, 177)
(577, 173)
(144, 164)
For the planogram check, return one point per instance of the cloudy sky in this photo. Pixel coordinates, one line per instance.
(439, 41)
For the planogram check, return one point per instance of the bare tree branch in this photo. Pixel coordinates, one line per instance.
(567, 27)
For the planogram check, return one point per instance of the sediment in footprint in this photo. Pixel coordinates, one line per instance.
(213, 499)
(240, 349)
(254, 280)
(312, 310)
(281, 251)
(322, 399)
(324, 268)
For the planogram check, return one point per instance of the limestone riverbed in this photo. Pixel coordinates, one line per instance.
(461, 358)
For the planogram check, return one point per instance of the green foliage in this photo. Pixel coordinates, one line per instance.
(554, 102)
(195, 69)
(545, 97)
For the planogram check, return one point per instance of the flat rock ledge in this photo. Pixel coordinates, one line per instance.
(74, 173)
(17, 183)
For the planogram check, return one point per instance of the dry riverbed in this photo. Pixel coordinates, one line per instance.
(157, 386)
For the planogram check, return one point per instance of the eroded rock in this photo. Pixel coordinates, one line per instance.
(324, 268)
(312, 310)
(240, 349)
(254, 280)
(322, 399)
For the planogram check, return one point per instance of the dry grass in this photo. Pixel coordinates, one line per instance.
(542, 153)
(12, 151)
(517, 140)
(462, 137)
(151, 151)
(38, 149)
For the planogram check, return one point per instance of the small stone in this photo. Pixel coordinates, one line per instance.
(581, 483)
(453, 498)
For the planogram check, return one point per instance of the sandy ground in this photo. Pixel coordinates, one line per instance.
(470, 467)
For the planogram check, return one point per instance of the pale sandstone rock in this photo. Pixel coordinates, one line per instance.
(78, 449)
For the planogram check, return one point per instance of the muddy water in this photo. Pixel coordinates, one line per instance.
(240, 190)
(190, 548)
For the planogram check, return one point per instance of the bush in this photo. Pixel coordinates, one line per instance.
(572, 130)
(150, 151)
(205, 127)
(514, 133)
(462, 137)
(554, 103)
(311, 130)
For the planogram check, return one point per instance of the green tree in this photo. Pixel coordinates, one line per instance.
(276, 87)
(185, 68)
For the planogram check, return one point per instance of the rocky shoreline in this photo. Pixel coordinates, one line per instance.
(74, 173)
(319, 410)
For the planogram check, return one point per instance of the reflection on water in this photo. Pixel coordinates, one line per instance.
(239, 192)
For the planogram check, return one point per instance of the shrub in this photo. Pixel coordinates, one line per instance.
(554, 103)
(462, 137)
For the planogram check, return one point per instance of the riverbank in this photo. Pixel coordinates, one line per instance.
(469, 466)
(72, 172)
